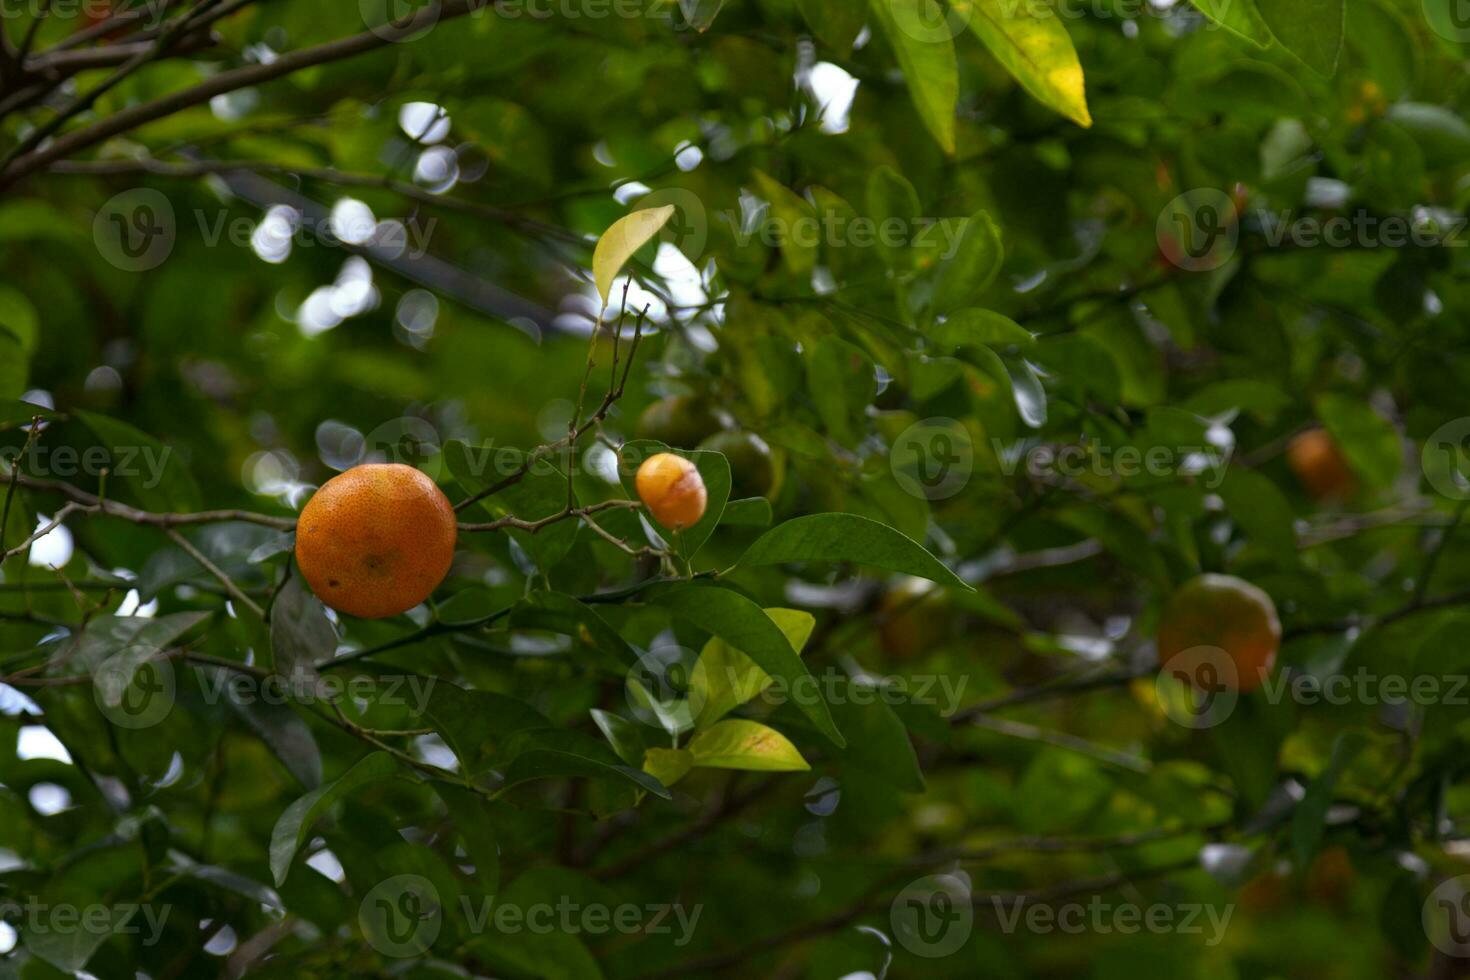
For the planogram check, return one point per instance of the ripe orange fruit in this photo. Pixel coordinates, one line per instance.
(672, 490)
(1228, 614)
(377, 540)
(1320, 466)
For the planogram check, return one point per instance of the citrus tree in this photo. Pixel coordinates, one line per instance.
(633, 488)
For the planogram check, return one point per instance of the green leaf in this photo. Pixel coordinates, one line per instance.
(19, 319)
(564, 614)
(1260, 508)
(14, 367)
(278, 726)
(792, 218)
(1033, 45)
(295, 824)
(973, 267)
(625, 737)
(1367, 439)
(302, 638)
(1310, 29)
(1239, 17)
(154, 472)
(836, 23)
(475, 723)
(553, 753)
(1308, 822)
(668, 766)
(471, 816)
(893, 203)
(746, 627)
(848, 537)
(926, 54)
(618, 244)
(980, 328)
(748, 512)
(841, 381)
(724, 678)
(877, 742)
(740, 744)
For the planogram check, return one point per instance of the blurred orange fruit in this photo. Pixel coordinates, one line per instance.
(1228, 614)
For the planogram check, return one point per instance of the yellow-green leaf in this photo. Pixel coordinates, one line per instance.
(616, 246)
(1034, 46)
(724, 678)
(668, 766)
(739, 744)
(926, 55)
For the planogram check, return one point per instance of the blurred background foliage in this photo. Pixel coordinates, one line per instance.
(1059, 318)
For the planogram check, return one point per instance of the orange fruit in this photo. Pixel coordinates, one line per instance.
(1320, 466)
(1224, 613)
(672, 490)
(376, 540)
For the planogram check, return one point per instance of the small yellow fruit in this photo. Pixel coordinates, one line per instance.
(672, 490)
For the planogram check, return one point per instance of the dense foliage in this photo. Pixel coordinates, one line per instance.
(988, 325)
